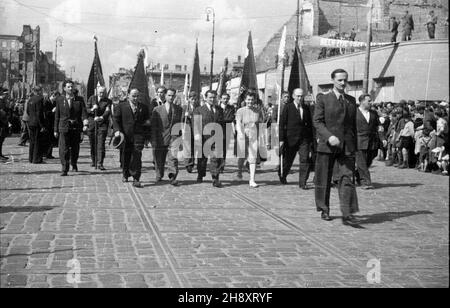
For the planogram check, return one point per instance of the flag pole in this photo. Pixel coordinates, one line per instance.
(95, 111)
(367, 58)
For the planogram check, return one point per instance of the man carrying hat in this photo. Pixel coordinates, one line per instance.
(132, 119)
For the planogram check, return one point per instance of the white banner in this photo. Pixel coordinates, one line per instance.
(332, 43)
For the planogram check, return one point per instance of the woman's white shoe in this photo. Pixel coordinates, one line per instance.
(253, 185)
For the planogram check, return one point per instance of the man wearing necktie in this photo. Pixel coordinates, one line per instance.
(70, 122)
(132, 118)
(296, 137)
(335, 123)
(166, 119)
(211, 117)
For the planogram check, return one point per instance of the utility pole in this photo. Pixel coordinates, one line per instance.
(8, 72)
(367, 60)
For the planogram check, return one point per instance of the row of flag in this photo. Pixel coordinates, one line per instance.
(298, 76)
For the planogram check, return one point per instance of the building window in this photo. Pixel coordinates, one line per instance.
(356, 85)
(13, 44)
(4, 44)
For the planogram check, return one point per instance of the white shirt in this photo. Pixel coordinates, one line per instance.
(300, 108)
(167, 105)
(133, 106)
(211, 108)
(366, 114)
(338, 94)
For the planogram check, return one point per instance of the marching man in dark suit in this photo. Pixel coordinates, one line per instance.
(132, 119)
(209, 113)
(335, 123)
(166, 118)
(98, 109)
(70, 122)
(188, 123)
(296, 137)
(367, 124)
(36, 124)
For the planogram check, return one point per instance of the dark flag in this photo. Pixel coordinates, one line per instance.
(195, 76)
(298, 77)
(222, 85)
(249, 79)
(139, 80)
(96, 74)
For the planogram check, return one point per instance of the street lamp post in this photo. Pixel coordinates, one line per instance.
(59, 40)
(209, 11)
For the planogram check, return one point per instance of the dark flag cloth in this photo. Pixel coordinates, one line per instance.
(139, 80)
(298, 77)
(248, 79)
(222, 85)
(195, 76)
(96, 74)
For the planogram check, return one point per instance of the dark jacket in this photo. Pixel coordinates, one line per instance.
(104, 110)
(161, 125)
(294, 129)
(332, 119)
(368, 138)
(35, 111)
(229, 114)
(207, 117)
(69, 118)
(131, 124)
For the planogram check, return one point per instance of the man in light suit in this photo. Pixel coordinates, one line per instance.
(166, 119)
(296, 137)
(132, 119)
(335, 123)
(368, 141)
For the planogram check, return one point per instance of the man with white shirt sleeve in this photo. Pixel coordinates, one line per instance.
(368, 141)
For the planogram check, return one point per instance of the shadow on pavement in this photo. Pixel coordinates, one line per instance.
(388, 216)
(25, 209)
(37, 188)
(389, 185)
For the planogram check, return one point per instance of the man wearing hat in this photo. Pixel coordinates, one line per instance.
(132, 119)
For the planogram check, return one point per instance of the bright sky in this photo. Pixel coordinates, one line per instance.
(168, 29)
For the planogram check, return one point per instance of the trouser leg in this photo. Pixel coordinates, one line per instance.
(323, 175)
(303, 153)
(347, 192)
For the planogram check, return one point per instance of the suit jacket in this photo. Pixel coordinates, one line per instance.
(332, 119)
(229, 114)
(161, 125)
(36, 111)
(368, 138)
(131, 124)
(69, 118)
(104, 110)
(207, 117)
(294, 129)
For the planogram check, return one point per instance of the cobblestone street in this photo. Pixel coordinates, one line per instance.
(199, 236)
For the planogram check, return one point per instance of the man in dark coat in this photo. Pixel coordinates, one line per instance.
(165, 120)
(209, 113)
(229, 114)
(335, 123)
(4, 123)
(36, 125)
(188, 125)
(368, 140)
(70, 122)
(98, 108)
(296, 137)
(49, 120)
(132, 119)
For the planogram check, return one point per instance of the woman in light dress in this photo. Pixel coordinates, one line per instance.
(247, 127)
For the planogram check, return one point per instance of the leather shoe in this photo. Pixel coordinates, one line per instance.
(50, 157)
(75, 168)
(216, 183)
(325, 216)
(102, 168)
(64, 173)
(304, 187)
(92, 164)
(283, 180)
(349, 221)
(189, 169)
(174, 182)
(199, 180)
(137, 184)
(367, 187)
(124, 179)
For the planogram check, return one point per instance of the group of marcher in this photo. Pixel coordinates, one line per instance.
(335, 136)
